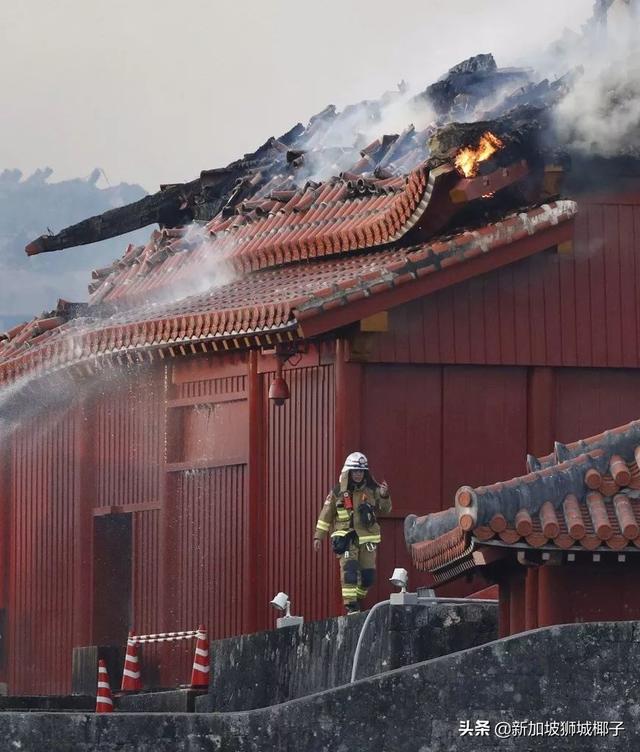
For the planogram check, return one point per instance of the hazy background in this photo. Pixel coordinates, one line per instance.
(154, 91)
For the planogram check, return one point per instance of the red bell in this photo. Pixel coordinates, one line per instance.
(279, 391)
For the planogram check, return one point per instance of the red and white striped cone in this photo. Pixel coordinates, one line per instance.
(131, 681)
(200, 671)
(104, 701)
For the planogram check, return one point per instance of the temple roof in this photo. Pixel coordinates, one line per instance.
(318, 228)
(584, 496)
(266, 305)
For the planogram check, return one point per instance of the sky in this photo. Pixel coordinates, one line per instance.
(154, 91)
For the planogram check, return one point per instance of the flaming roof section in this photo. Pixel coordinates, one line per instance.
(348, 144)
(586, 497)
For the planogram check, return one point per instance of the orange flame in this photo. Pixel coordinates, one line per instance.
(468, 159)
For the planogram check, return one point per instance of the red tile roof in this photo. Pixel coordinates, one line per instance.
(280, 227)
(264, 255)
(585, 496)
(258, 306)
(283, 227)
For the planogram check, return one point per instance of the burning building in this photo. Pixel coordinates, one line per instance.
(436, 298)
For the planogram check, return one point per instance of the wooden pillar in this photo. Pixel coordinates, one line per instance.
(255, 589)
(348, 386)
(169, 586)
(540, 411)
(531, 599)
(552, 599)
(85, 501)
(517, 601)
(504, 600)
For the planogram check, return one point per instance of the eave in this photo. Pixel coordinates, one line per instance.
(410, 284)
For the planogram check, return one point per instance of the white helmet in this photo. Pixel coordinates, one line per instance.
(355, 461)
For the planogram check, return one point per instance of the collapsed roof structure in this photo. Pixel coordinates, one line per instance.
(314, 220)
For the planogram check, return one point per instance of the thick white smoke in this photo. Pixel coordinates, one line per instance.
(601, 113)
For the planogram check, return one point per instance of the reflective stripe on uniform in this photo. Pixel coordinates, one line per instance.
(324, 526)
(361, 592)
(343, 515)
(349, 592)
(369, 538)
(340, 533)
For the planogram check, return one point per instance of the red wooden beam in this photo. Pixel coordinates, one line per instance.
(531, 599)
(468, 189)
(142, 506)
(255, 587)
(348, 396)
(517, 601)
(504, 620)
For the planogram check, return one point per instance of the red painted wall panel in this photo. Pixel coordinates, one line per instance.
(591, 400)
(550, 309)
(212, 387)
(212, 565)
(484, 426)
(402, 432)
(216, 430)
(41, 587)
(299, 474)
(207, 558)
(428, 430)
(145, 575)
(129, 436)
(589, 593)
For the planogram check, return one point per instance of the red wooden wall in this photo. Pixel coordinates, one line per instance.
(221, 489)
(576, 309)
(40, 550)
(299, 474)
(204, 536)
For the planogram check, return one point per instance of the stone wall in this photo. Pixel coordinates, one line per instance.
(577, 672)
(254, 671)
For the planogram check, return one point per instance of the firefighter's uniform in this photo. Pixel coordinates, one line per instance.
(354, 528)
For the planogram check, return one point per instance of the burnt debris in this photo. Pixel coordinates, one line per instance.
(470, 83)
(472, 98)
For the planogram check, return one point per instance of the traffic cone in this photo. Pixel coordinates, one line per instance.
(104, 702)
(131, 681)
(200, 671)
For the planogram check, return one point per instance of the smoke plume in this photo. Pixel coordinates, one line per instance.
(600, 115)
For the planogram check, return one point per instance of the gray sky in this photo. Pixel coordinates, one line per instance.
(154, 91)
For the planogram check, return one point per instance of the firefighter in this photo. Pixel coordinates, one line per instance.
(350, 509)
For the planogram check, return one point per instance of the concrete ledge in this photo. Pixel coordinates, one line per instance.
(578, 672)
(169, 701)
(48, 702)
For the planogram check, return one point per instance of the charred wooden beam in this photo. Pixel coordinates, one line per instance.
(169, 207)
(521, 131)
(175, 204)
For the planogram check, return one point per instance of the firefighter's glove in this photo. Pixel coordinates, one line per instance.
(367, 514)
